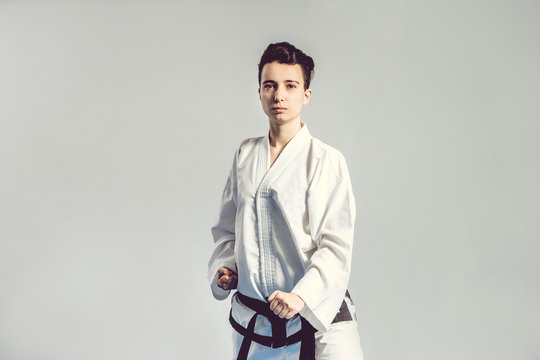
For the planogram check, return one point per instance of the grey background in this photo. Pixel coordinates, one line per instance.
(119, 120)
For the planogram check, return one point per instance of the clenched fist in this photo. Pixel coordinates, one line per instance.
(226, 278)
(285, 305)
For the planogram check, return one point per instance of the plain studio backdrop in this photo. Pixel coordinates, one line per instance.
(118, 125)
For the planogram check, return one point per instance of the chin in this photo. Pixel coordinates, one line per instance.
(279, 118)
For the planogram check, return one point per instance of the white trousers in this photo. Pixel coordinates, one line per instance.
(340, 341)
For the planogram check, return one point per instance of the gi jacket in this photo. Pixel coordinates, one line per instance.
(287, 227)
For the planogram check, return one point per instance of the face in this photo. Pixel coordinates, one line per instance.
(282, 92)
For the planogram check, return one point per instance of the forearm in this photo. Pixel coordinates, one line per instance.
(223, 256)
(325, 281)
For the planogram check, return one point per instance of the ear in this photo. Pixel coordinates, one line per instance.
(307, 96)
(259, 91)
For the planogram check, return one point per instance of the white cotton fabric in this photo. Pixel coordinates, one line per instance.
(341, 340)
(287, 227)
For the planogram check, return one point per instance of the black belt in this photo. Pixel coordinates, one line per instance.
(279, 336)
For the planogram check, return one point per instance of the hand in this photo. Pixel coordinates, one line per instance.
(226, 278)
(285, 305)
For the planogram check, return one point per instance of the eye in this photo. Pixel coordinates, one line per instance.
(267, 86)
(291, 86)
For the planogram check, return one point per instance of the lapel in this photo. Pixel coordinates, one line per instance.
(267, 174)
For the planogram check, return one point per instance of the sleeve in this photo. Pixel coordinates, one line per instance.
(332, 212)
(224, 235)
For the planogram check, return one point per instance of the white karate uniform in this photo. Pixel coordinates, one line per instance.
(289, 227)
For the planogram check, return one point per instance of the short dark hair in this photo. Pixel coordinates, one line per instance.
(285, 53)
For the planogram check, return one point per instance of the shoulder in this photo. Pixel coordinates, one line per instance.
(322, 149)
(249, 144)
(329, 156)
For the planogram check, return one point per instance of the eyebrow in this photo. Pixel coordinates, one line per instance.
(274, 82)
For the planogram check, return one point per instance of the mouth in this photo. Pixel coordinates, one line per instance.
(278, 109)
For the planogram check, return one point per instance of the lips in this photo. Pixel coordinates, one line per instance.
(279, 109)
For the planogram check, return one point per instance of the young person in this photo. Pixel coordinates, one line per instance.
(284, 234)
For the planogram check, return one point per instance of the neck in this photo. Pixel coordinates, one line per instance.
(281, 134)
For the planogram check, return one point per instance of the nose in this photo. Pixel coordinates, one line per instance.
(279, 94)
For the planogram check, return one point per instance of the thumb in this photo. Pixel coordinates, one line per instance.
(273, 295)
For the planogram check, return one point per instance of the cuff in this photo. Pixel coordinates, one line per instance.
(308, 314)
(218, 292)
